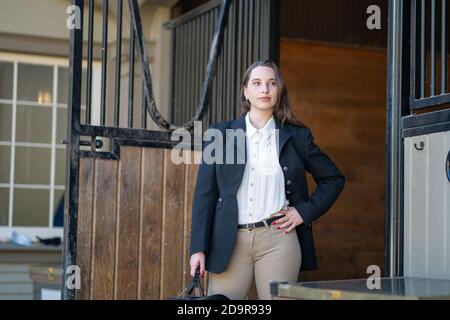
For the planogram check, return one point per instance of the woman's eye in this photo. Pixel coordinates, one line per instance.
(256, 83)
(273, 83)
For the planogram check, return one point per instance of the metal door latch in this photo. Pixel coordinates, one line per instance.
(420, 147)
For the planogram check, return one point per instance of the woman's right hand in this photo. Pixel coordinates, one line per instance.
(198, 259)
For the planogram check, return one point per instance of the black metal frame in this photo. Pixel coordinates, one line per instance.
(407, 93)
(209, 74)
(427, 123)
(72, 157)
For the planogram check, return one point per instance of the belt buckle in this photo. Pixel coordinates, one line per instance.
(251, 226)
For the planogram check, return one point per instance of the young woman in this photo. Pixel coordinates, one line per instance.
(255, 219)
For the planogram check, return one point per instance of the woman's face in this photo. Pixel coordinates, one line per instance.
(262, 89)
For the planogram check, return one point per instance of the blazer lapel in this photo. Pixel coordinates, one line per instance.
(283, 136)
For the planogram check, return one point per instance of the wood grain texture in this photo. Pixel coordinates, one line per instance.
(190, 180)
(173, 227)
(127, 240)
(104, 237)
(84, 230)
(340, 93)
(151, 223)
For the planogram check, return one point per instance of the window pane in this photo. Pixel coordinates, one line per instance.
(5, 159)
(34, 124)
(61, 124)
(31, 207)
(35, 83)
(32, 165)
(5, 121)
(4, 206)
(63, 85)
(58, 209)
(6, 80)
(60, 167)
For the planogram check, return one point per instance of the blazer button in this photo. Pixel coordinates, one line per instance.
(285, 168)
(288, 182)
(288, 192)
(220, 199)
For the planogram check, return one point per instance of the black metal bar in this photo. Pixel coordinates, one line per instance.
(118, 62)
(227, 65)
(219, 79)
(432, 128)
(197, 64)
(104, 62)
(183, 72)
(213, 108)
(186, 56)
(72, 155)
(131, 77)
(89, 61)
(251, 28)
(425, 119)
(266, 30)
(191, 71)
(444, 47)
(173, 86)
(239, 46)
(245, 34)
(398, 86)
(203, 50)
(114, 132)
(423, 74)
(433, 49)
(257, 49)
(232, 84)
(415, 57)
(177, 71)
(274, 35)
(430, 101)
(144, 108)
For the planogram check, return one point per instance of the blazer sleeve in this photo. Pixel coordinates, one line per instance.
(328, 178)
(204, 204)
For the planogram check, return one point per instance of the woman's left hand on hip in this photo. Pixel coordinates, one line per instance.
(290, 220)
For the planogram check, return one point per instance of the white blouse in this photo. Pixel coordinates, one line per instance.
(261, 192)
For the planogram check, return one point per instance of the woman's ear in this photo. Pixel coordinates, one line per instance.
(245, 93)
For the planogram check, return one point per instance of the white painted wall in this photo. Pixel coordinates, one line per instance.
(427, 207)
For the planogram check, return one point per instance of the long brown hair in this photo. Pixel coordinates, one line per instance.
(282, 111)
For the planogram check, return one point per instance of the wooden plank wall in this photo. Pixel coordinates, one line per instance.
(340, 93)
(134, 225)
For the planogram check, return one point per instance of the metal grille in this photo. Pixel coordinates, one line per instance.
(246, 39)
(428, 60)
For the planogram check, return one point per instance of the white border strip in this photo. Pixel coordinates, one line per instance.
(13, 147)
(53, 152)
(31, 186)
(32, 145)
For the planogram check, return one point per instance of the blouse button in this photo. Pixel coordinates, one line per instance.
(288, 182)
(285, 168)
(288, 192)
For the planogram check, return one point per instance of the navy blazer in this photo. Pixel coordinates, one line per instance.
(215, 208)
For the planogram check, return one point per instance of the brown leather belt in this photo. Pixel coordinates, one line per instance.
(254, 225)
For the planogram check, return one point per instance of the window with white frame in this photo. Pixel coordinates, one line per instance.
(33, 116)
